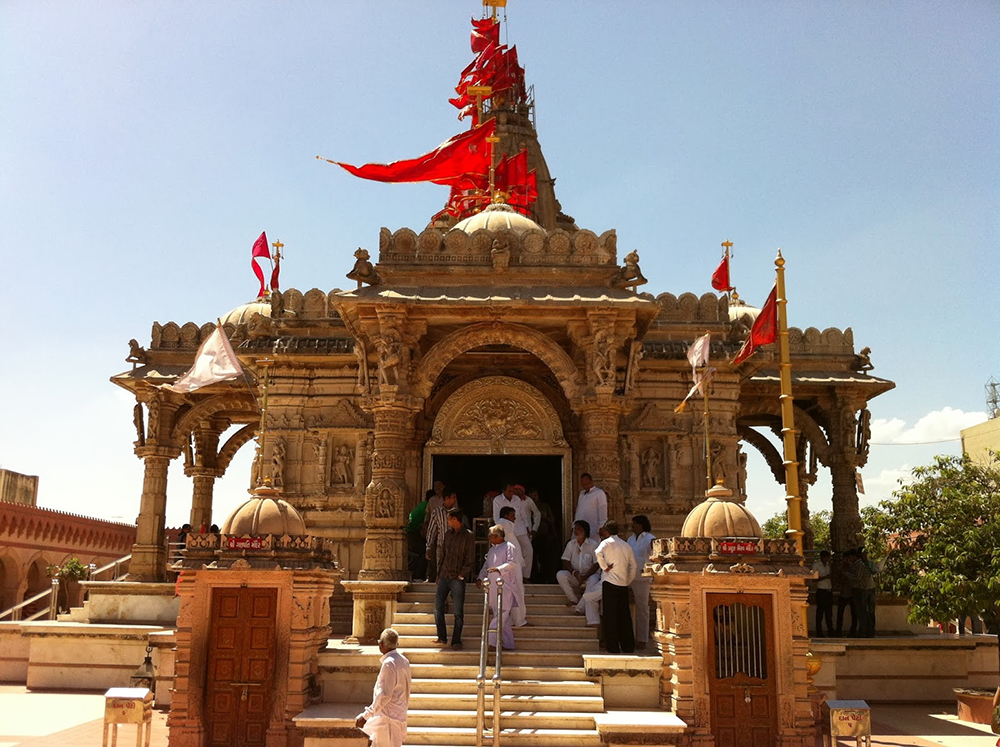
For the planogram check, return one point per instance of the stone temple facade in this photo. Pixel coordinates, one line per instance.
(500, 346)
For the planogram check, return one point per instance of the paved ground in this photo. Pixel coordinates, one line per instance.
(74, 720)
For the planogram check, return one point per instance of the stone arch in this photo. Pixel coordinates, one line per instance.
(209, 407)
(494, 333)
(767, 450)
(804, 423)
(233, 444)
(10, 580)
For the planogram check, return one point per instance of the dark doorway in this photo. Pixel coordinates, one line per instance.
(472, 476)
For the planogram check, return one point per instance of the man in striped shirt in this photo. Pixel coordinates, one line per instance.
(457, 559)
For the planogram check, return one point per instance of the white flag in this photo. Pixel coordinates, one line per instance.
(214, 362)
(697, 356)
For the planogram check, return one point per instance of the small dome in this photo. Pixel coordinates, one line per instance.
(242, 314)
(264, 514)
(720, 515)
(739, 308)
(498, 217)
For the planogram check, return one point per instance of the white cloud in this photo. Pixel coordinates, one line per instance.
(936, 426)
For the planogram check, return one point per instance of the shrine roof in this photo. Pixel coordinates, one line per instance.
(155, 373)
(826, 377)
(485, 294)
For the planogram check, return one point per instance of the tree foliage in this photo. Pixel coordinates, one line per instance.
(939, 539)
(819, 522)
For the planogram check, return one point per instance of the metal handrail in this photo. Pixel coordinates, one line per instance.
(495, 730)
(52, 609)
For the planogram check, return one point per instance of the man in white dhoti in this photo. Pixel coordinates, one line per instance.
(528, 518)
(508, 520)
(591, 504)
(641, 543)
(502, 563)
(385, 719)
(579, 563)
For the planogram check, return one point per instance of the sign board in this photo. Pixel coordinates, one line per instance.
(128, 705)
(737, 547)
(849, 718)
(244, 543)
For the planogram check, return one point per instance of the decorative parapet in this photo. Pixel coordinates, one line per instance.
(715, 548)
(256, 551)
(533, 247)
(46, 528)
(690, 308)
(830, 341)
(678, 349)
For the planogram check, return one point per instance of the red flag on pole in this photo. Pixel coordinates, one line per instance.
(484, 31)
(463, 154)
(720, 278)
(764, 329)
(259, 250)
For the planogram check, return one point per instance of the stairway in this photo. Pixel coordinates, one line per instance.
(547, 697)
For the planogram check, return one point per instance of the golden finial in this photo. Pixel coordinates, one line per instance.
(779, 261)
(494, 4)
(727, 244)
(278, 246)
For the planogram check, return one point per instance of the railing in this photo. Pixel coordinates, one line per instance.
(51, 595)
(494, 736)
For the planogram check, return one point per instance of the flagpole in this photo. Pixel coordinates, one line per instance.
(792, 498)
(708, 437)
(727, 245)
(262, 438)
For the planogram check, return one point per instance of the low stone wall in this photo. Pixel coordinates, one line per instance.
(131, 602)
(626, 681)
(74, 656)
(13, 653)
(347, 672)
(918, 669)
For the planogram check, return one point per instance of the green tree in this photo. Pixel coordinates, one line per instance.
(939, 539)
(819, 522)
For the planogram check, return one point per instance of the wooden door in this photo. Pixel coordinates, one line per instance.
(241, 659)
(742, 677)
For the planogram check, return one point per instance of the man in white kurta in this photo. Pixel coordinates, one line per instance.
(579, 563)
(505, 499)
(591, 505)
(385, 719)
(641, 543)
(502, 562)
(509, 523)
(528, 519)
(617, 563)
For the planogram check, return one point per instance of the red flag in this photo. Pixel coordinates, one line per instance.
(720, 278)
(467, 153)
(274, 273)
(484, 31)
(259, 250)
(764, 329)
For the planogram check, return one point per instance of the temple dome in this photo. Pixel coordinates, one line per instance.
(739, 308)
(242, 314)
(265, 513)
(498, 217)
(720, 515)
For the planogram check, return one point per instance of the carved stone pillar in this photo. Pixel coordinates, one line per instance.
(201, 496)
(599, 417)
(149, 553)
(384, 557)
(845, 525)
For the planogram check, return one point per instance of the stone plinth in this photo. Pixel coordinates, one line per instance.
(374, 608)
(331, 725)
(130, 602)
(626, 681)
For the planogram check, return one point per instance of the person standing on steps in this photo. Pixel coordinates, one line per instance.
(508, 520)
(591, 504)
(457, 560)
(385, 719)
(824, 594)
(641, 543)
(502, 562)
(437, 526)
(617, 563)
(528, 517)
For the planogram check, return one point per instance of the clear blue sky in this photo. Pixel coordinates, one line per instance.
(143, 146)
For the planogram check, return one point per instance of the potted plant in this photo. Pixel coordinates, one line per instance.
(70, 574)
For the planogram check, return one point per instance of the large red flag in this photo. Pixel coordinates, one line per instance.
(764, 329)
(720, 278)
(259, 250)
(484, 31)
(467, 153)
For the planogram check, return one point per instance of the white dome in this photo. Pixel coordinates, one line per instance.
(498, 217)
(720, 515)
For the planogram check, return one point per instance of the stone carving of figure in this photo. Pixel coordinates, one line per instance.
(390, 356)
(741, 473)
(864, 434)
(343, 465)
(634, 356)
(719, 471)
(136, 353)
(278, 454)
(604, 357)
(140, 430)
(277, 304)
(629, 276)
(363, 270)
(500, 254)
(863, 360)
(153, 423)
(651, 468)
(384, 505)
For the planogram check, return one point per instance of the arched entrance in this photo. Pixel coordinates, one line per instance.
(493, 418)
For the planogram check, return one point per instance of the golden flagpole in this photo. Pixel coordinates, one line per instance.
(788, 434)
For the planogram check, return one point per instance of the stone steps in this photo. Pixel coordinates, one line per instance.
(520, 702)
(510, 719)
(443, 736)
(519, 688)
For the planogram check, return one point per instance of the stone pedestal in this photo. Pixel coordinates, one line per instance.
(374, 608)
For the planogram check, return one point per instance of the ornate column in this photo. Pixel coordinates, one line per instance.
(201, 496)
(599, 417)
(149, 553)
(845, 525)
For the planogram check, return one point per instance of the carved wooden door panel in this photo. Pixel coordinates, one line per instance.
(742, 678)
(241, 659)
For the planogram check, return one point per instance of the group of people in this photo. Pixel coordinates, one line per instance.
(853, 579)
